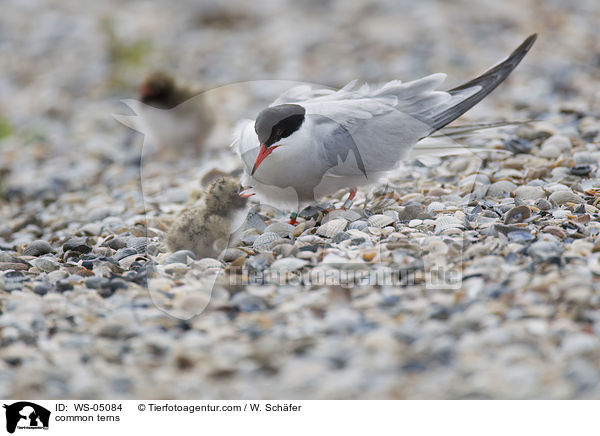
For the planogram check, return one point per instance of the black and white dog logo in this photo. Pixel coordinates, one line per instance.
(26, 415)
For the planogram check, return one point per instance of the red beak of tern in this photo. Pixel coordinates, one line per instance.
(262, 155)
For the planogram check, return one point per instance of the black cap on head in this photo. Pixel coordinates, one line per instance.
(277, 122)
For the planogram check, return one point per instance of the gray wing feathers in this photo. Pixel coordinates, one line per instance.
(486, 83)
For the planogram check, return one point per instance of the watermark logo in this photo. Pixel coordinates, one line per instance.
(24, 415)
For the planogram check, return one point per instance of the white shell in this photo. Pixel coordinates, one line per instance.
(175, 268)
(127, 261)
(503, 188)
(446, 222)
(282, 229)
(358, 225)
(139, 244)
(310, 239)
(288, 264)
(297, 231)
(561, 197)
(265, 241)
(45, 264)
(529, 193)
(434, 206)
(332, 228)
(349, 215)
(380, 220)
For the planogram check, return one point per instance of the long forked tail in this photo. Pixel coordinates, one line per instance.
(487, 82)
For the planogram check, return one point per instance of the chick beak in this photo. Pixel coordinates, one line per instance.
(262, 154)
(246, 192)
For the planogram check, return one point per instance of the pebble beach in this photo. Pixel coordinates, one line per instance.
(94, 305)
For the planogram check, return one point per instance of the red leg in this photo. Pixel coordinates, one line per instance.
(350, 199)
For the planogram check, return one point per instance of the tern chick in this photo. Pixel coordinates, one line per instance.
(206, 229)
(176, 119)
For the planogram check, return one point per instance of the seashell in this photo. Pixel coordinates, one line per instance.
(520, 236)
(475, 178)
(123, 252)
(357, 225)
(581, 170)
(549, 151)
(503, 188)
(348, 215)
(380, 220)
(282, 229)
(561, 197)
(139, 244)
(561, 142)
(475, 190)
(175, 268)
(518, 145)
(37, 248)
(310, 212)
(207, 265)
(446, 222)
(590, 209)
(245, 302)
(297, 231)
(433, 207)
(415, 223)
(265, 241)
(332, 258)
(517, 214)
(340, 237)
(181, 256)
(375, 230)
(543, 250)
(288, 264)
(116, 243)
(259, 262)
(79, 245)
(529, 193)
(16, 266)
(46, 264)
(393, 214)
(556, 231)
(91, 229)
(255, 221)
(584, 157)
(543, 204)
(412, 211)
(594, 264)
(127, 261)
(284, 250)
(231, 254)
(332, 228)
(310, 239)
(13, 280)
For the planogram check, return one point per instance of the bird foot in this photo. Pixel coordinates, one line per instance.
(292, 220)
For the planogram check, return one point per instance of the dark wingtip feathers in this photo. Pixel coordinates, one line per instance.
(488, 82)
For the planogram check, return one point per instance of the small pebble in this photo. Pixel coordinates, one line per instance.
(37, 248)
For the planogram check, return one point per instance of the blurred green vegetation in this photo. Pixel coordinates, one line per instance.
(124, 56)
(6, 129)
